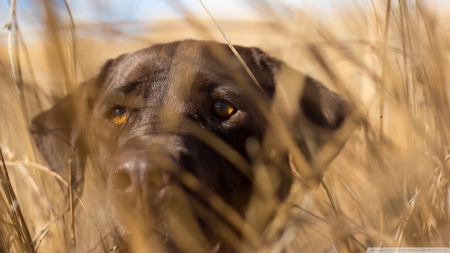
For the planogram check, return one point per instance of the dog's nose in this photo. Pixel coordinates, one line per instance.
(141, 175)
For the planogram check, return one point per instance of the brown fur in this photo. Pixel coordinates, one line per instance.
(168, 91)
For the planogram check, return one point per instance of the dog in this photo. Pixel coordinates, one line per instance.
(179, 132)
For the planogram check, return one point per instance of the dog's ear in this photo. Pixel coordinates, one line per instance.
(58, 132)
(314, 111)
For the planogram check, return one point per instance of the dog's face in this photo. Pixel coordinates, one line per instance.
(169, 126)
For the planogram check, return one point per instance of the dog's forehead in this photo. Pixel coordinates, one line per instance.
(176, 63)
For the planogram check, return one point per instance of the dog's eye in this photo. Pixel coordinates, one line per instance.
(119, 115)
(223, 109)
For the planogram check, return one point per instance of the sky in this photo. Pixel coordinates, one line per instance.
(30, 13)
(142, 10)
(230, 9)
(92, 11)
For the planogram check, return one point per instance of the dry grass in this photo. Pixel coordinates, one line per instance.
(388, 186)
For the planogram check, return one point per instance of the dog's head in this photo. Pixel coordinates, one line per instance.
(178, 132)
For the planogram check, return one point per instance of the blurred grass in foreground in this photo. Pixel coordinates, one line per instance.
(386, 188)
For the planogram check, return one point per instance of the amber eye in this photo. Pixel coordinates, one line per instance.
(223, 109)
(119, 115)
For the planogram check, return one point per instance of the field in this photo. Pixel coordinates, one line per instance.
(387, 187)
